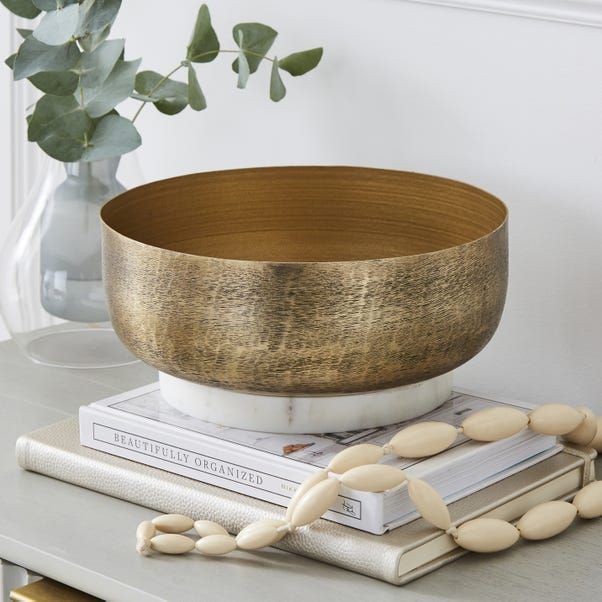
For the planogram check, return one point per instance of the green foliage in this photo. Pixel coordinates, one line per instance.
(91, 41)
(204, 45)
(97, 15)
(84, 76)
(49, 5)
(277, 89)
(116, 88)
(168, 96)
(65, 131)
(299, 63)
(94, 67)
(58, 26)
(244, 69)
(22, 8)
(34, 57)
(112, 137)
(50, 110)
(196, 98)
(257, 39)
(61, 127)
(59, 83)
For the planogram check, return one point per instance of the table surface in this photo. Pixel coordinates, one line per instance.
(86, 539)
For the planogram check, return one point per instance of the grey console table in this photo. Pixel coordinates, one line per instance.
(86, 540)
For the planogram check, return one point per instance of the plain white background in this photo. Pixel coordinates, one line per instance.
(5, 117)
(510, 104)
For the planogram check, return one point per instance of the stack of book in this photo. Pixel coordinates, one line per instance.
(149, 453)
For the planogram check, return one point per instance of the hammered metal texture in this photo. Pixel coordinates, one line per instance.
(314, 280)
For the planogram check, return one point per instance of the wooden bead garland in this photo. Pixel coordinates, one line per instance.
(357, 467)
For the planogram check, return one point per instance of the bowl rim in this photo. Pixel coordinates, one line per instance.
(268, 262)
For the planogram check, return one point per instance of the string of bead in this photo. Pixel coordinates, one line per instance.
(357, 468)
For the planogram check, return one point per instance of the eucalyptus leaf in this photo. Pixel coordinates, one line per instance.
(141, 97)
(300, 63)
(172, 105)
(48, 5)
(204, 45)
(243, 64)
(114, 136)
(52, 113)
(96, 15)
(91, 41)
(169, 96)
(67, 143)
(94, 67)
(257, 39)
(196, 98)
(34, 57)
(58, 26)
(22, 8)
(277, 89)
(58, 83)
(63, 147)
(10, 61)
(116, 88)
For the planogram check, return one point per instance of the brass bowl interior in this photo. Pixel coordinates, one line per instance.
(305, 214)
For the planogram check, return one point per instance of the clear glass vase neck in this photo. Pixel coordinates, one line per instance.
(103, 170)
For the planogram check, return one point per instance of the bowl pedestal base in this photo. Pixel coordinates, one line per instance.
(305, 414)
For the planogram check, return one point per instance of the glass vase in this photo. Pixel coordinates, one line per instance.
(51, 291)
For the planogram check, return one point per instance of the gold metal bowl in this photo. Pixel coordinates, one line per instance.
(305, 280)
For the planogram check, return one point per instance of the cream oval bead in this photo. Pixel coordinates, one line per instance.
(315, 502)
(216, 545)
(596, 442)
(358, 455)
(494, 424)
(173, 523)
(429, 503)
(586, 431)
(260, 534)
(373, 477)
(555, 419)
(314, 479)
(486, 535)
(588, 501)
(143, 546)
(546, 520)
(146, 530)
(171, 543)
(423, 439)
(208, 527)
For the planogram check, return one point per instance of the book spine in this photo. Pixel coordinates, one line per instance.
(218, 465)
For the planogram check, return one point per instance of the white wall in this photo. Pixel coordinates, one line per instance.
(5, 129)
(6, 208)
(510, 104)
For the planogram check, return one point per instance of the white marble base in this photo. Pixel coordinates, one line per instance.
(305, 414)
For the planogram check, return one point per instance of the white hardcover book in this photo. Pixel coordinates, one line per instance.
(141, 426)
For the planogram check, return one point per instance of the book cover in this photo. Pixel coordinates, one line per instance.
(397, 556)
(141, 426)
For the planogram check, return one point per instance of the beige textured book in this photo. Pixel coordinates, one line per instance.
(397, 557)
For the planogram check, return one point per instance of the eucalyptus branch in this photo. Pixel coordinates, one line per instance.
(186, 63)
(84, 76)
(154, 89)
(249, 52)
